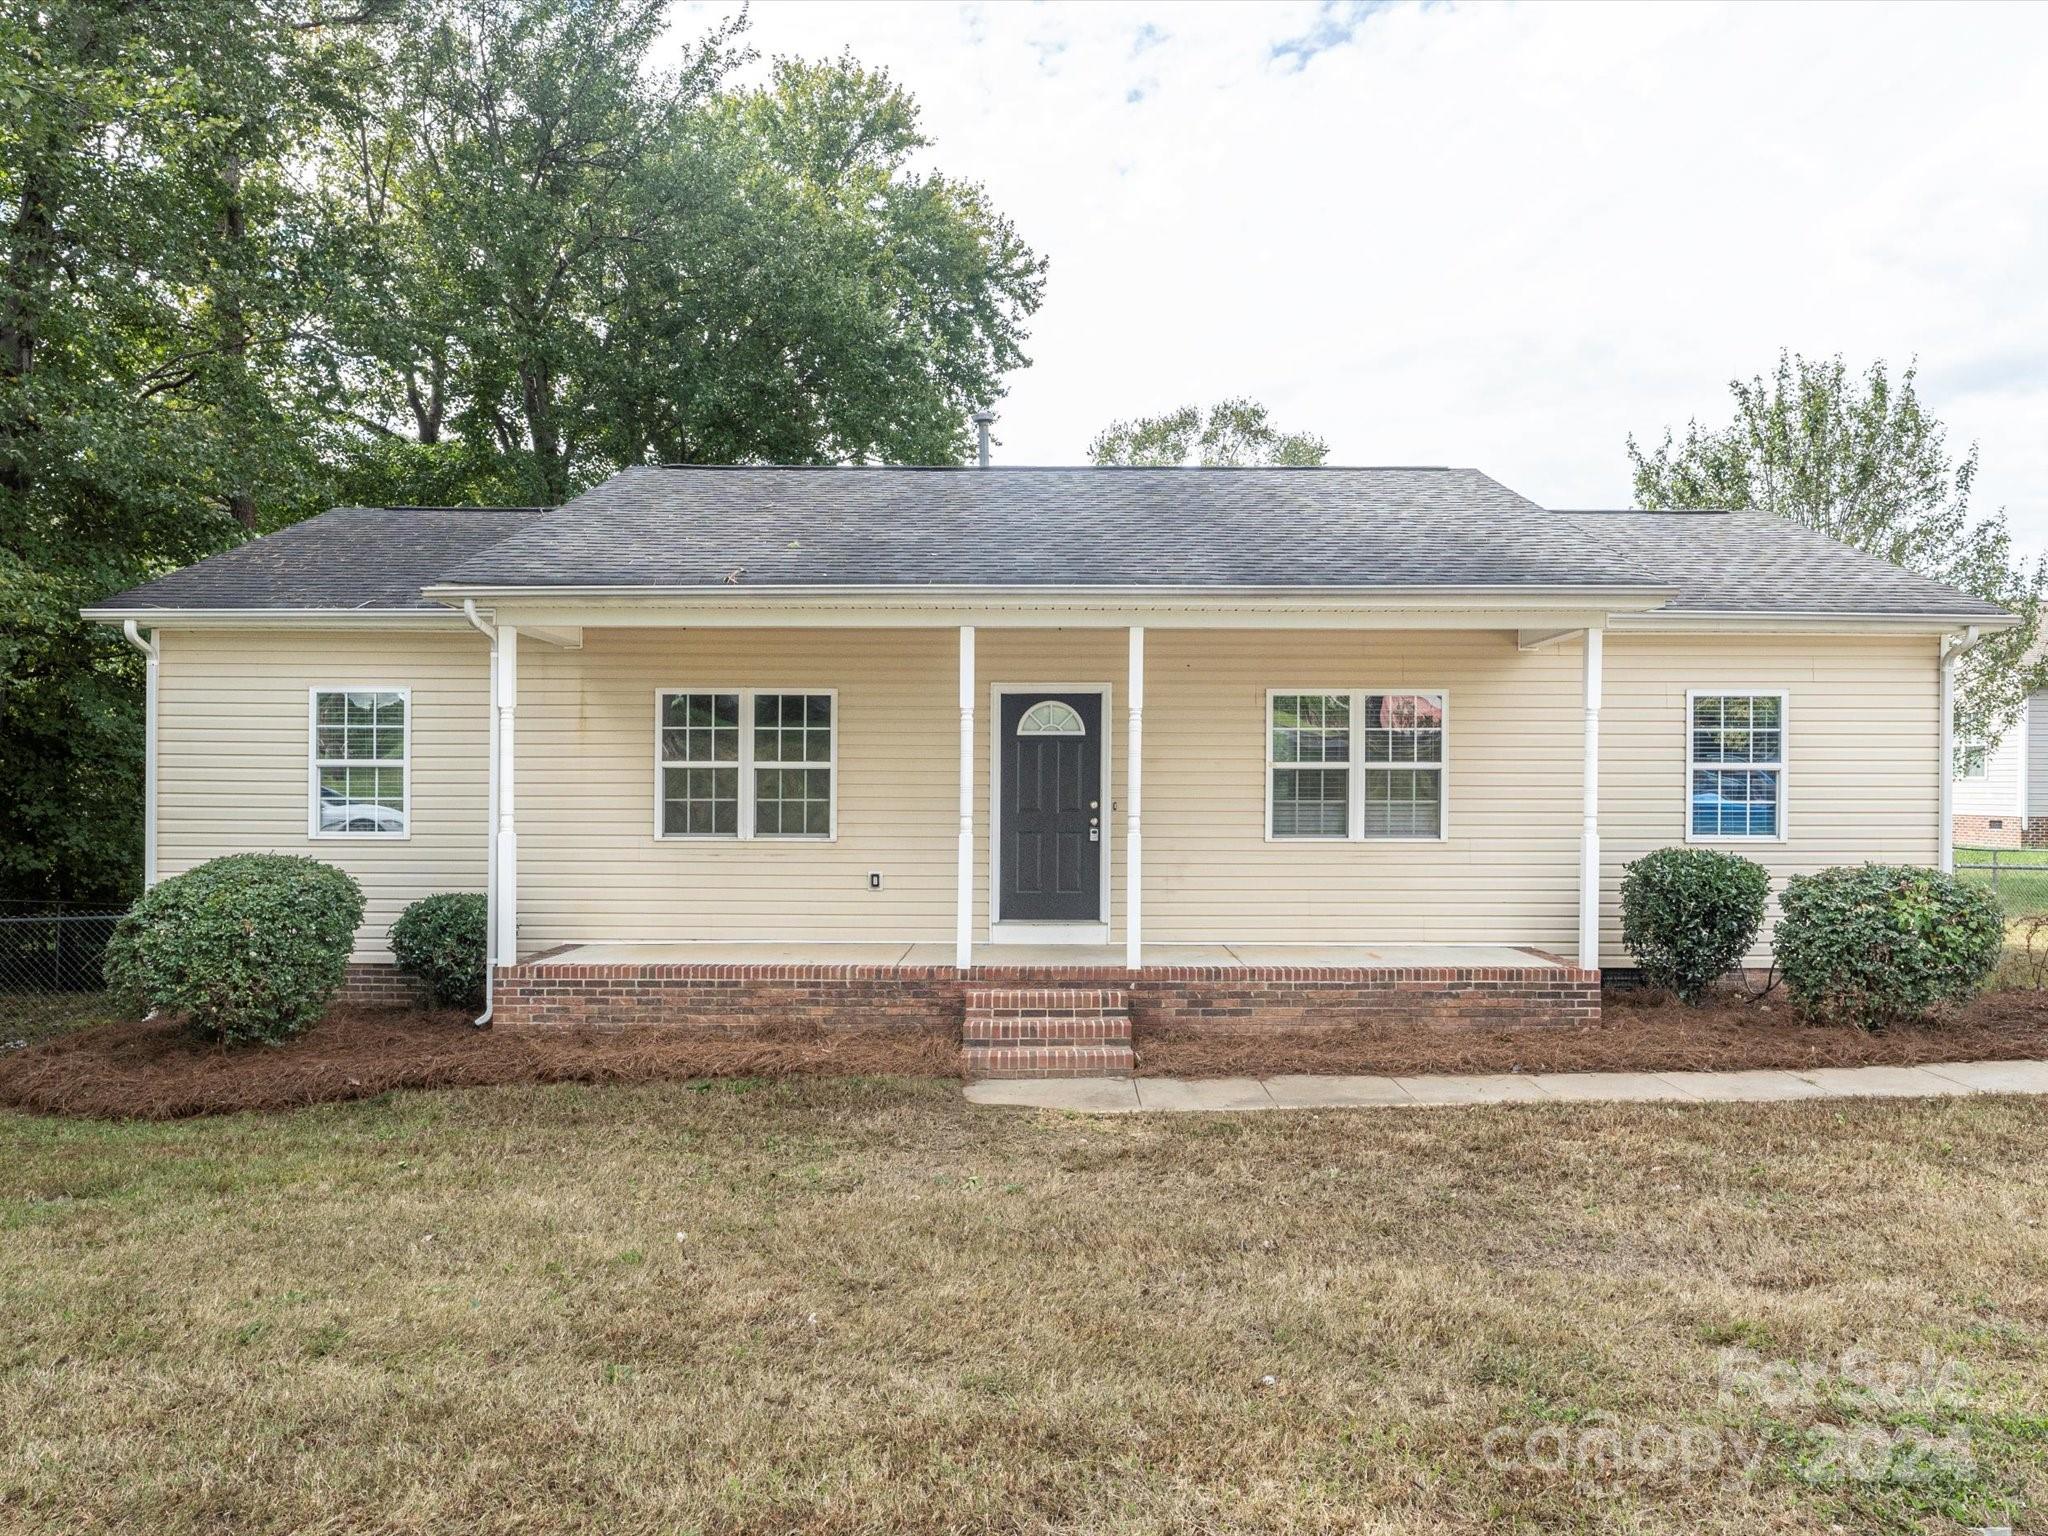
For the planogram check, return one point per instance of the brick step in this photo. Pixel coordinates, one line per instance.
(980, 1062)
(1046, 1016)
(1046, 1032)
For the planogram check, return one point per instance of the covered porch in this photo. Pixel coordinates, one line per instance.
(1214, 801)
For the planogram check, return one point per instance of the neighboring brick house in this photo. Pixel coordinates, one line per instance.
(1193, 749)
(2001, 795)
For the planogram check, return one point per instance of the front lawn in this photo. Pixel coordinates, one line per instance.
(862, 1305)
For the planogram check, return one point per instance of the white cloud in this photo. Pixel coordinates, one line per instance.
(1496, 235)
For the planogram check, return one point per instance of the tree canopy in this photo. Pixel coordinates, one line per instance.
(267, 256)
(1232, 434)
(1857, 457)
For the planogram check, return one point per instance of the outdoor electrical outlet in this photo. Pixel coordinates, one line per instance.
(874, 879)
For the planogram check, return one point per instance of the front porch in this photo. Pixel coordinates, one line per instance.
(1050, 1010)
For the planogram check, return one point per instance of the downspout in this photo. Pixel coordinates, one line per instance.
(490, 633)
(151, 648)
(1952, 648)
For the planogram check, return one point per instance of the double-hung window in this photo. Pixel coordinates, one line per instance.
(360, 759)
(1735, 766)
(1355, 765)
(746, 763)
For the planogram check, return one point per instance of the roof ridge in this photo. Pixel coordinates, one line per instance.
(1080, 469)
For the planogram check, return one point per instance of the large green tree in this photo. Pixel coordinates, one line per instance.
(575, 261)
(1231, 434)
(155, 368)
(1857, 457)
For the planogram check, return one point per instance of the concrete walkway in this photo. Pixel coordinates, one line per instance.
(1105, 1095)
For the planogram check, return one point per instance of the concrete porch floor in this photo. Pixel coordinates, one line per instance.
(1370, 957)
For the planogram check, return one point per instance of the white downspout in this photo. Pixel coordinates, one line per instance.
(153, 649)
(1952, 648)
(490, 633)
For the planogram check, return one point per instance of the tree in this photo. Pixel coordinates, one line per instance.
(1233, 434)
(1859, 459)
(575, 263)
(154, 370)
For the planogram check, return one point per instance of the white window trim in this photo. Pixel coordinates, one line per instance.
(314, 831)
(1354, 817)
(1783, 765)
(746, 767)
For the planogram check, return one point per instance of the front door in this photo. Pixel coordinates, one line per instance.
(1051, 802)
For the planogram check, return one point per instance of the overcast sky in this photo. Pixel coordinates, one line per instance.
(1504, 236)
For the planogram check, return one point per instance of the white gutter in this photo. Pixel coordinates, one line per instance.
(153, 649)
(490, 826)
(1952, 649)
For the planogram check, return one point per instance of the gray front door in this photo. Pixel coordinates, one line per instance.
(1051, 799)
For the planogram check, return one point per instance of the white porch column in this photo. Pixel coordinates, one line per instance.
(508, 834)
(1951, 648)
(1589, 830)
(963, 929)
(1134, 790)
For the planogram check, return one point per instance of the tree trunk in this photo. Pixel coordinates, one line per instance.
(234, 321)
(537, 400)
(430, 406)
(31, 261)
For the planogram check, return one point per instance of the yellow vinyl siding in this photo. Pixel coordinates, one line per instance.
(1862, 752)
(1862, 746)
(591, 866)
(1507, 871)
(232, 756)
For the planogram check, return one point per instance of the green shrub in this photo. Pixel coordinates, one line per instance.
(443, 941)
(249, 947)
(1689, 915)
(1881, 942)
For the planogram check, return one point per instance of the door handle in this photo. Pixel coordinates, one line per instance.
(1094, 833)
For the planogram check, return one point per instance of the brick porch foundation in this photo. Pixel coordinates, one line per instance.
(1239, 999)
(380, 984)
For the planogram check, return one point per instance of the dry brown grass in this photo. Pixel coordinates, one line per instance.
(860, 1305)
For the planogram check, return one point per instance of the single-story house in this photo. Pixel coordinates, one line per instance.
(2001, 792)
(1042, 748)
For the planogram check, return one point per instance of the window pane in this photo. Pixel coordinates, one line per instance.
(1735, 803)
(1403, 802)
(1311, 802)
(1311, 728)
(700, 801)
(1403, 728)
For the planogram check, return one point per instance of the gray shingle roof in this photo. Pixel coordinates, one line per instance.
(351, 557)
(1759, 562)
(694, 527)
(1317, 528)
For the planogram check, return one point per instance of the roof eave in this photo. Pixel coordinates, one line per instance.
(319, 618)
(1755, 621)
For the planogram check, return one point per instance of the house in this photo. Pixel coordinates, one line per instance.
(1046, 749)
(2001, 792)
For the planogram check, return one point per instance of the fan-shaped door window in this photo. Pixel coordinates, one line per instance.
(1049, 717)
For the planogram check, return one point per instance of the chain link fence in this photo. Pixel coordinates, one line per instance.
(52, 951)
(2017, 876)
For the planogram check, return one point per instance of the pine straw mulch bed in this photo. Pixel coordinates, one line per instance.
(1640, 1030)
(159, 1071)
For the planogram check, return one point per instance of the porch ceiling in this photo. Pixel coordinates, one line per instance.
(1366, 957)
